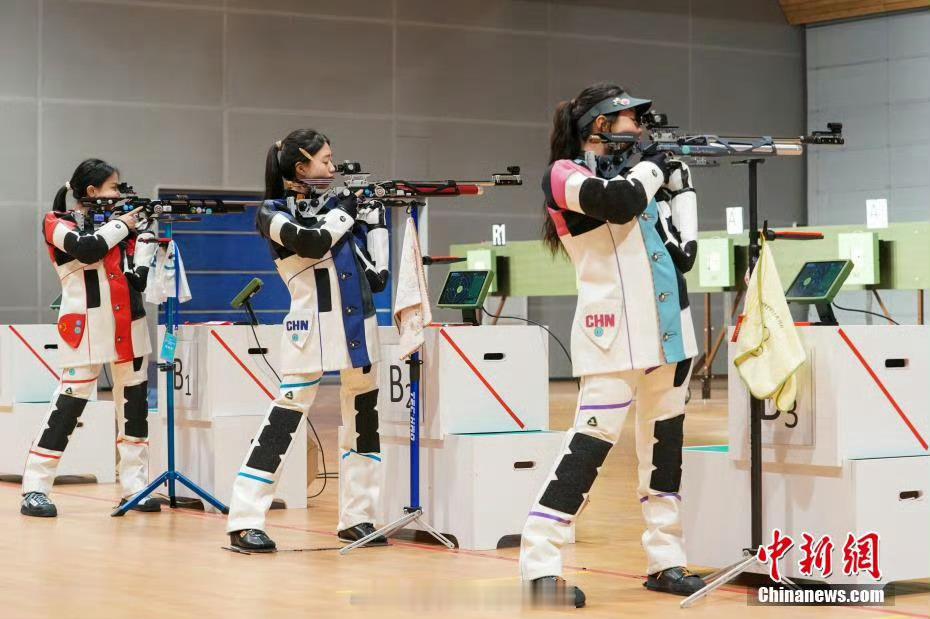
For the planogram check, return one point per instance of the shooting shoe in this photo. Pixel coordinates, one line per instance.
(554, 591)
(148, 504)
(353, 534)
(253, 540)
(37, 504)
(675, 580)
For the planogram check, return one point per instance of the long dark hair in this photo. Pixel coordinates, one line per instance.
(285, 154)
(566, 139)
(89, 173)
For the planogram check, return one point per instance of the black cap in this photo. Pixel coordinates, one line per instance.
(612, 105)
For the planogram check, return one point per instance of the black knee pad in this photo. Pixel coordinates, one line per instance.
(666, 455)
(681, 372)
(136, 410)
(366, 423)
(575, 474)
(274, 440)
(61, 422)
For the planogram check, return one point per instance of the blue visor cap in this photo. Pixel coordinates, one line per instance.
(612, 105)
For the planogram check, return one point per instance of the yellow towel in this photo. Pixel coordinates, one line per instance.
(768, 349)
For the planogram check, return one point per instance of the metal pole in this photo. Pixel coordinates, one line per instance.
(881, 304)
(171, 328)
(920, 307)
(756, 406)
(414, 365)
(708, 374)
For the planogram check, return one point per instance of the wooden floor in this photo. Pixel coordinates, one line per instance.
(85, 564)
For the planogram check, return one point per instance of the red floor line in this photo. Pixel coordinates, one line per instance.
(472, 553)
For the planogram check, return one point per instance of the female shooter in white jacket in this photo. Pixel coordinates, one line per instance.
(103, 273)
(630, 232)
(332, 256)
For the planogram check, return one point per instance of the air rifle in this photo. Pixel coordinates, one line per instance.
(180, 207)
(403, 193)
(663, 137)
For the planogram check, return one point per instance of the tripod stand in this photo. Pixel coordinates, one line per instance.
(414, 511)
(172, 475)
(756, 412)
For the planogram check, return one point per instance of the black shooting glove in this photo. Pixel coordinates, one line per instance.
(660, 159)
(683, 256)
(348, 202)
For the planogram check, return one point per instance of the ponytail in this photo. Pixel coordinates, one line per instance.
(59, 205)
(566, 139)
(285, 154)
(89, 173)
(274, 182)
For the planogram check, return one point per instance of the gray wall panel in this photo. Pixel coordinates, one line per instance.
(910, 123)
(150, 146)
(19, 26)
(471, 74)
(98, 51)
(264, 67)
(873, 75)
(662, 20)
(909, 79)
(853, 86)
(855, 42)
(750, 24)
(907, 34)
(20, 237)
(18, 151)
(510, 14)
(370, 9)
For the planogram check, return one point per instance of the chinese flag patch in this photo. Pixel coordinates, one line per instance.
(71, 328)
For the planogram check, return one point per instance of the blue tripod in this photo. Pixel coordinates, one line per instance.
(414, 511)
(171, 475)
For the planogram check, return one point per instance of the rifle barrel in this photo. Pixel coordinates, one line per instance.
(722, 147)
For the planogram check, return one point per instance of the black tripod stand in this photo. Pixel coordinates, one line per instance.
(756, 412)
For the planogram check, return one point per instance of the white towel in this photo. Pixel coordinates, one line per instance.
(412, 312)
(768, 348)
(161, 284)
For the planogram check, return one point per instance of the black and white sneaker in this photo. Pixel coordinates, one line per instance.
(675, 580)
(148, 504)
(359, 531)
(554, 591)
(253, 540)
(37, 504)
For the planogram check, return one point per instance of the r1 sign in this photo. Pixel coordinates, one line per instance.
(498, 235)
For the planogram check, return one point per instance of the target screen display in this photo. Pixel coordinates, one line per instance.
(819, 281)
(465, 289)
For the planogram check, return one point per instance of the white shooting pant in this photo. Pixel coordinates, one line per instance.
(657, 398)
(254, 488)
(130, 397)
